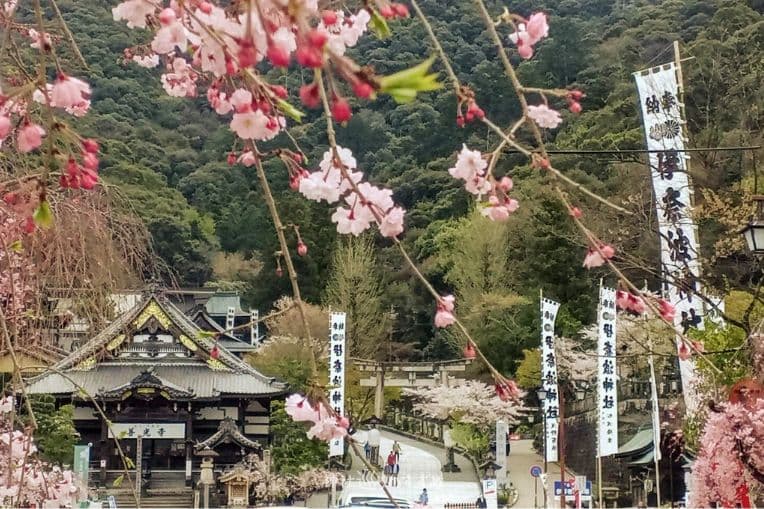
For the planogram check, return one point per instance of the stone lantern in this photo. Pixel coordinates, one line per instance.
(207, 476)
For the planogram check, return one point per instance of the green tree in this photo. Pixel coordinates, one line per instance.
(472, 254)
(355, 288)
(528, 375)
(56, 435)
(291, 449)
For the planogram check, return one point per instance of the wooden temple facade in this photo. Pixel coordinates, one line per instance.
(157, 374)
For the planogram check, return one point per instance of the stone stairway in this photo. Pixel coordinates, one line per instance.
(170, 501)
(165, 490)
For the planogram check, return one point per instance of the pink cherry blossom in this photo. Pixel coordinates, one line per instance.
(392, 223)
(327, 429)
(247, 158)
(170, 36)
(253, 125)
(134, 12)
(241, 99)
(68, 92)
(530, 33)
(444, 318)
(596, 258)
(544, 116)
(299, 409)
(447, 302)
(470, 401)
(284, 40)
(6, 404)
(499, 210)
(468, 164)
(349, 222)
(30, 137)
(684, 351)
(444, 311)
(319, 186)
(37, 41)
(666, 309)
(5, 126)
(147, 61)
(537, 27)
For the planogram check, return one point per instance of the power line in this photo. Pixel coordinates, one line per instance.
(646, 151)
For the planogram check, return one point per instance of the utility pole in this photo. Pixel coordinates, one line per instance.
(656, 423)
(561, 444)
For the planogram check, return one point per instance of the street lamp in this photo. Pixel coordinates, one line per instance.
(754, 230)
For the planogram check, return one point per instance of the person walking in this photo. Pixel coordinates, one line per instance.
(374, 439)
(397, 451)
(396, 469)
(423, 498)
(367, 449)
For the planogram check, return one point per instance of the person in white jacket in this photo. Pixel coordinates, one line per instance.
(374, 439)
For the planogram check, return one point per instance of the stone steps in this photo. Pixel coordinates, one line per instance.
(184, 500)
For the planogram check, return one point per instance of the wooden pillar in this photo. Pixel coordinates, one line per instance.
(379, 394)
(104, 449)
(189, 445)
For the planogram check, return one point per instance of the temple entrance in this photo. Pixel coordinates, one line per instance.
(158, 454)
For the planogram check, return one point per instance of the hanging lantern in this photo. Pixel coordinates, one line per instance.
(469, 351)
(215, 352)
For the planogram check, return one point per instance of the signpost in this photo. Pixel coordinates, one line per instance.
(573, 489)
(490, 493)
(536, 472)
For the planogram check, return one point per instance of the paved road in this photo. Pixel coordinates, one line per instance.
(420, 467)
(521, 458)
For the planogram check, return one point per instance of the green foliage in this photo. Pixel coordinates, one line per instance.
(528, 375)
(168, 156)
(55, 436)
(291, 449)
(355, 288)
(471, 438)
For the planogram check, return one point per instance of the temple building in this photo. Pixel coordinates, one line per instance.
(154, 372)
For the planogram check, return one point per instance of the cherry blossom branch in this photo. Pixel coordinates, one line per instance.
(285, 254)
(438, 298)
(82, 391)
(520, 89)
(596, 244)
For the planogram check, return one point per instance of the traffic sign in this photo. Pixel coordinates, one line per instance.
(569, 489)
(536, 471)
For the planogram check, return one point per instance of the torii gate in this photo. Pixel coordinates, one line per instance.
(410, 370)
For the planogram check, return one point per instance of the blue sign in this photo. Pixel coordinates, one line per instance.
(569, 491)
(536, 471)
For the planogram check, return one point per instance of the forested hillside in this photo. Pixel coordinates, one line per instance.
(211, 226)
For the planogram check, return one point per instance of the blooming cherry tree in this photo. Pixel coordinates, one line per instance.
(469, 402)
(25, 479)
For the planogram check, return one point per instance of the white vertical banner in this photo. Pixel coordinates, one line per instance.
(551, 405)
(501, 452)
(607, 390)
(337, 375)
(680, 258)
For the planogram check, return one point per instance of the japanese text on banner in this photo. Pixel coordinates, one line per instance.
(607, 390)
(551, 405)
(337, 375)
(663, 124)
